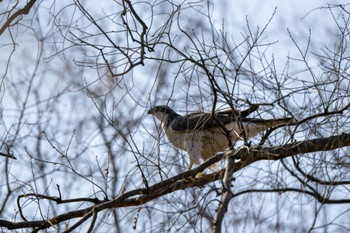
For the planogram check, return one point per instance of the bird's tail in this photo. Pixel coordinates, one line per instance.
(250, 127)
(282, 121)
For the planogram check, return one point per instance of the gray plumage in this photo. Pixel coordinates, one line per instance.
(200, 135)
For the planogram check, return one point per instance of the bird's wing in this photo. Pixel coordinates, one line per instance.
(252, 108)
(238, 113)
(199, 121)
(204, 121)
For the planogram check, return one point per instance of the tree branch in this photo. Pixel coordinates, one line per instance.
(227, 193)
(24, 11)
(141, 196)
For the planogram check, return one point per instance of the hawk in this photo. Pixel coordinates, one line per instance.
(201, 135)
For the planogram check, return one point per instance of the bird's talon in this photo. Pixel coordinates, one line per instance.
(192, 180)
(200, 175)
(189, 179)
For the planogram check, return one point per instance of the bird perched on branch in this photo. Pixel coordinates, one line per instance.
(202, 134)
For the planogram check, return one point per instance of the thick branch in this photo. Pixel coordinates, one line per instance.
(227, 193)
(141, 196)
(303, 147)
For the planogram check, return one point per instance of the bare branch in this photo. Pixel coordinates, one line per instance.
(24, 11)
(141, 196)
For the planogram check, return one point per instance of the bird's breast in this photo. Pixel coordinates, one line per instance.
(209, 142)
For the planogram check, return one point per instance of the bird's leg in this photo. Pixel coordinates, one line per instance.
(190, 165)
(200, 174)
(190, 179)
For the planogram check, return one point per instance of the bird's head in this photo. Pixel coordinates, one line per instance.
(162, 112)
